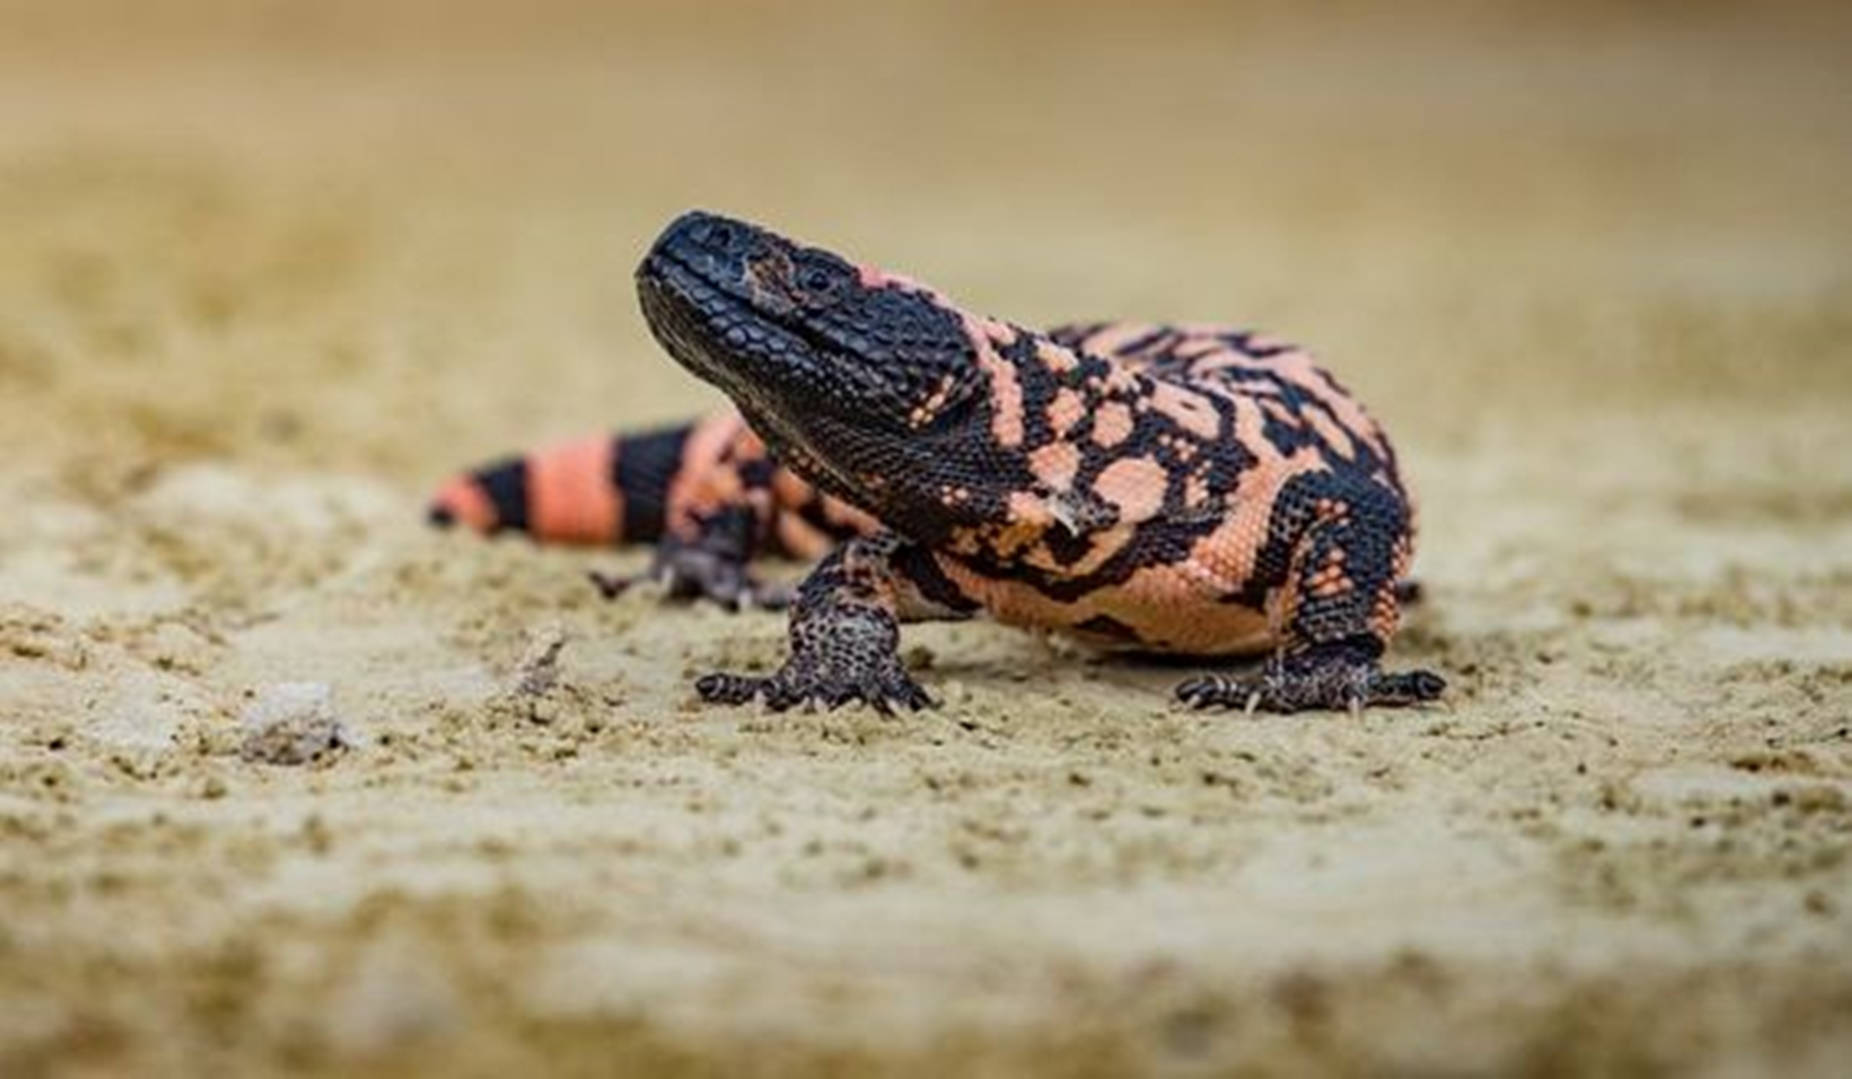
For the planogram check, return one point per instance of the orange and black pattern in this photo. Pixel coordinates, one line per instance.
(642, 488)
(1196, 490)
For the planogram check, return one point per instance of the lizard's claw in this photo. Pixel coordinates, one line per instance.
(1311, 680)
(710, 563)
(689, 572)
(880, 689)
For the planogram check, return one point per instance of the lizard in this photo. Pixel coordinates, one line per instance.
(1193, 490)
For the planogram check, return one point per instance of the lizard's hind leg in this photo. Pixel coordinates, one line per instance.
(1341, 610)
(713, 565)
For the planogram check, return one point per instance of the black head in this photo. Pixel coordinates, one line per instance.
(834, 364)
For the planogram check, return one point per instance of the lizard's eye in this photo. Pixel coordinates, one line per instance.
(819, 282)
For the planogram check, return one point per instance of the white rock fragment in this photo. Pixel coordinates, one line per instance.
(293, 723)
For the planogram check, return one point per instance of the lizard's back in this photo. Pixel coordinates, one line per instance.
(1168, 472)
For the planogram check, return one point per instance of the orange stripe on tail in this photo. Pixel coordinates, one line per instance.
(572, 493)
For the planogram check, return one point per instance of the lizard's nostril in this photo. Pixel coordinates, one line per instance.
(718, 237)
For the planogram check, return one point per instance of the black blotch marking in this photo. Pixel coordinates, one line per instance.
(1159, 335)
(917, 564)
(1105, 625)
(1066, 547)
(1242, 341)
(646, 463)
(505, 483)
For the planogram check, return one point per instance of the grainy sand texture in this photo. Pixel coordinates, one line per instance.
(269, 271)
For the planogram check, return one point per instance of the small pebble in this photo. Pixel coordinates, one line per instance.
(293, 723)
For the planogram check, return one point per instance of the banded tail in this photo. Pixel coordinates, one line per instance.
(607, 490)
(599, 490)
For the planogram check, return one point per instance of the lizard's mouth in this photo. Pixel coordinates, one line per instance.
(776, 374)
(717, 333)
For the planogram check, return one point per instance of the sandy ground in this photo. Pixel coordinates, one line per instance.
(270, 271)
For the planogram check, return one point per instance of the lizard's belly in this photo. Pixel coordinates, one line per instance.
(1157, 609)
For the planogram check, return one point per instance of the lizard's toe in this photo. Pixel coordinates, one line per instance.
(721, 688)
(1402, 688)
(880, 690)
(897, 687)
(1200, 692)
(876, 698)
(1222, 691)
(1314, 679)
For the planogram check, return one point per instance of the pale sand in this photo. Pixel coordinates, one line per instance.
(256, 299)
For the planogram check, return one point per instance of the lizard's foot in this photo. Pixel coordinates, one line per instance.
(847, 654)
(1319, 677)
(688, 571)
(710, 564)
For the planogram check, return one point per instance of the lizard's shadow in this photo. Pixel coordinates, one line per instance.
(1140, 672)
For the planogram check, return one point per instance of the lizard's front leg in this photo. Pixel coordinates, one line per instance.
(845, 630)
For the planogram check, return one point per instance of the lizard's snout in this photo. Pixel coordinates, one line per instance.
(700, 237)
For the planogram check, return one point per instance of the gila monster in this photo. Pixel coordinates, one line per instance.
(1194, 490)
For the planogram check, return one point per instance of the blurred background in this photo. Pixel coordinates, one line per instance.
(370, 234)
